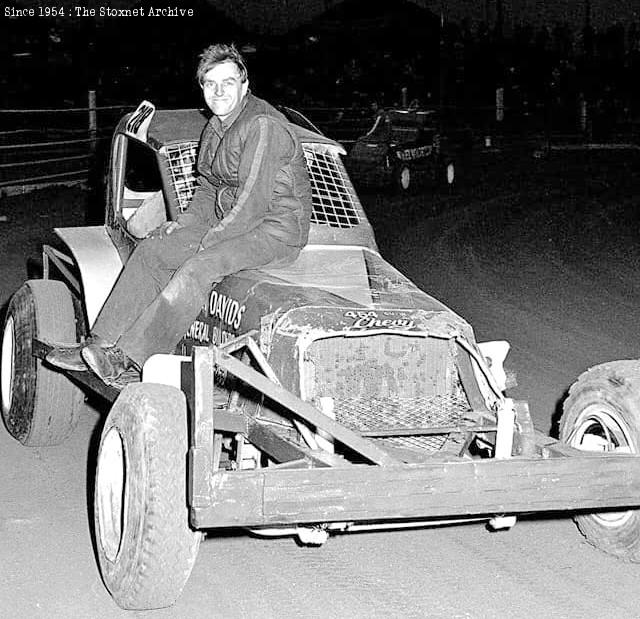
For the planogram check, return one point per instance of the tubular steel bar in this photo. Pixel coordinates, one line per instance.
(434, 490)
(302, 409)
(60, 260)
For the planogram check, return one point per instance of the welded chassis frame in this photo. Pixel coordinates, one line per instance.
(315, 487)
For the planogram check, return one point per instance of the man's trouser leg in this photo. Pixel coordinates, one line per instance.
(165, 321)
(146, 273)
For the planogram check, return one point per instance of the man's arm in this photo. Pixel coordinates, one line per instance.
(201, 209)
(268, 147)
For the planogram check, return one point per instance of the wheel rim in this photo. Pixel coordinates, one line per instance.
(600, 428)
(7, 364)
(111, 493)
(451, 173)
(405, 178)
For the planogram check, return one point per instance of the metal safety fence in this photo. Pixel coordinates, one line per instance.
(41, 147)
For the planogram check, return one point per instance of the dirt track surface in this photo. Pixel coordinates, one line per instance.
(546, 257)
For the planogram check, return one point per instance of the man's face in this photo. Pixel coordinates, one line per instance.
(223, 89)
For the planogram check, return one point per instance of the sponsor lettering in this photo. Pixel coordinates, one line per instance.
(363, 320)
(220, 336)
(198, 331)
(409, 154)
(228, 310)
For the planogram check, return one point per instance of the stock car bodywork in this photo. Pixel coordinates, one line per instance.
(330, 395)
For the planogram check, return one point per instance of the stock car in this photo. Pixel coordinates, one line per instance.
(403, 146)
(331, 395)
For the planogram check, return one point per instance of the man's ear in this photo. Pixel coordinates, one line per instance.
(245, 87)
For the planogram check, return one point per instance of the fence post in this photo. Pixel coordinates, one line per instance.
(583, 115)
(499, 104)
(93, 129)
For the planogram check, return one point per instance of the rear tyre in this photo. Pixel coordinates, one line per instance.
(145, 546)
(450, 173)
(602, 413)
(444, 173)
(403, 178)
(39, 405)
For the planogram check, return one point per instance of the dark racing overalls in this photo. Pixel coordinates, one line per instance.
(251, 209)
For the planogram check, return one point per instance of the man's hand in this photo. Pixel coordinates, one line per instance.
(165, 229)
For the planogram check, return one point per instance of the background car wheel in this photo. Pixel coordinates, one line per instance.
(403, 178)
(39, 405)
(602, 413)
(444, 174)
(145, 546)
(450, 173)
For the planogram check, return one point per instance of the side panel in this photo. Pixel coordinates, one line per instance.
(99, 263)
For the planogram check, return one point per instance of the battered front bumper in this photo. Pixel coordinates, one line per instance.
(568, 480)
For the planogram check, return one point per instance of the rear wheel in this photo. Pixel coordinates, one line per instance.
(444, 173)
(403, 178)
(602, 413)
(39, 405)
(145, 546)
(450, 173)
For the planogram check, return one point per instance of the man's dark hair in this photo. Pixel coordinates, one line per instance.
(215, 54)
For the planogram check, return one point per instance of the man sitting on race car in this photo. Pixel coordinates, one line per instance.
(251, 208)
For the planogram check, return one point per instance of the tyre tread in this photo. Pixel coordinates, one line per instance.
(152, 420)
(618, 384)
(45, 403)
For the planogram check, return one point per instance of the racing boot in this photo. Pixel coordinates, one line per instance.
(107, 363)
(69, 357)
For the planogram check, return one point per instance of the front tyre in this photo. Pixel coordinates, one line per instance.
(602, 413)
(145, 546)
(40, 406)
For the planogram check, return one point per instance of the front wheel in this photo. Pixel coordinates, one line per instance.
(145, 546)
(602, 413)
(40, 406)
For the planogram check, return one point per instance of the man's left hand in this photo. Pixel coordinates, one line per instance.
(165, 229)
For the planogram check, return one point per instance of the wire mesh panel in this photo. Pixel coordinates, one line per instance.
(333, 196)
(389, 381)
(182, 167)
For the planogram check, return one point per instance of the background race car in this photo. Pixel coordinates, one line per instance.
(402, 147)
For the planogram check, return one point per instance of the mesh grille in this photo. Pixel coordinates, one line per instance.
(333, 196)
(384, 413)
(389, 381)
(182, 164)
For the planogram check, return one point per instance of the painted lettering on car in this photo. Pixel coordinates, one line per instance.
(409, 154)
(198, 331)
(373, 320)
(228, 310)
